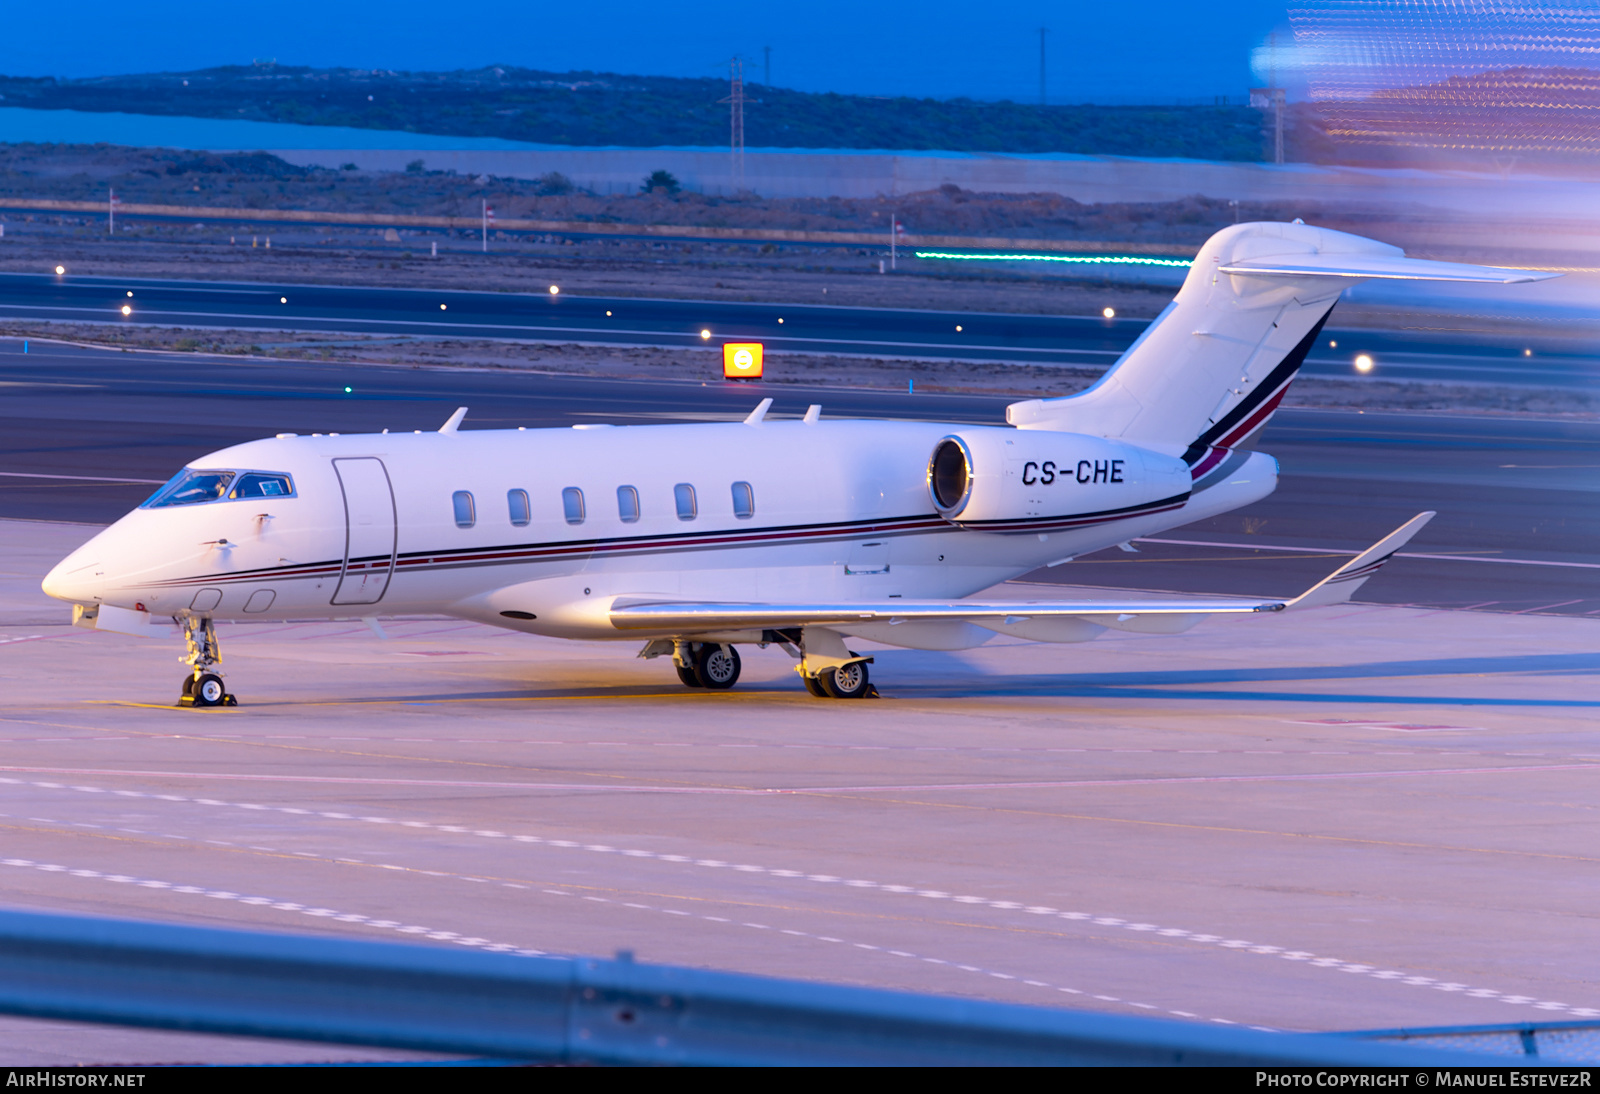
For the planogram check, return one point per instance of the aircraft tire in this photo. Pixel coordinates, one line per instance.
(687, 677)
(814, 686)
(714, 669)
(188, 684)
(847, 682)
(208, 691)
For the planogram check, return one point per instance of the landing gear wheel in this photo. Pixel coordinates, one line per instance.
(846, 681)
(687, 677)
(716, 666)
(188, 684)
(814, 686)
(208, 691)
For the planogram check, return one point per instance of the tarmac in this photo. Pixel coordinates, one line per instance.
(1358, 817)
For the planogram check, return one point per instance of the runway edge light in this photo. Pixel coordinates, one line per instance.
(742, 360)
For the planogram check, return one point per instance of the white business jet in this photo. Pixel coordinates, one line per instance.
(802, 534)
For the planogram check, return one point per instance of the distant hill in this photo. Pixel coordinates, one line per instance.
(587, 108)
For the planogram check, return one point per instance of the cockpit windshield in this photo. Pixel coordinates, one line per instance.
(193, 486)
(256, 484)
(190, 487)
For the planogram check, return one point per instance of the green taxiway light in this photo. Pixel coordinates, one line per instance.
(1086, 260)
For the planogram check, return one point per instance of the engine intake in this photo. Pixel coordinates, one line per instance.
(950, 475)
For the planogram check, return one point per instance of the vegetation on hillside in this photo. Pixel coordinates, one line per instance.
(600, 109)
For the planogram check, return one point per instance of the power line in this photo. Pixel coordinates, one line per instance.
(735, 101)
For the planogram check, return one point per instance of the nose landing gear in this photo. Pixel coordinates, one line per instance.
(203, 686)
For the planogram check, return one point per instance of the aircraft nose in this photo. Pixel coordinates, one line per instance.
(73, 579)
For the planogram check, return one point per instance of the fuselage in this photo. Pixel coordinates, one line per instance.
(542, 530)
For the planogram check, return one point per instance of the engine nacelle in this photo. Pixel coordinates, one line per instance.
(1012, 480)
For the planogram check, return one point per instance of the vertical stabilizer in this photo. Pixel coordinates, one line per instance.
(1211, 369)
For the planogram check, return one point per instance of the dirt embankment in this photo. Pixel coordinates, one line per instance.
(257, 180)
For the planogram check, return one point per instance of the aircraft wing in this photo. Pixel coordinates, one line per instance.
(691, 617)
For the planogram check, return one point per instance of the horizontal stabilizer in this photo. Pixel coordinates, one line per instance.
(1341, 585)
(1391, 267)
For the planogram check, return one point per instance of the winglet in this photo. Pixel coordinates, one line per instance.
(1340, 585)
(455, 421)
(759, 412)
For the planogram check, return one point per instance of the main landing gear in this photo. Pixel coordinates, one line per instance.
(848, 681)
(713, 665)
(203, 686)
(827, 668)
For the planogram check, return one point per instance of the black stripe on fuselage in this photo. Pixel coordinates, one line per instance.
(1045, 524)
(510, 554)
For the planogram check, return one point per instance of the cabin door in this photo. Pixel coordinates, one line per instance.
(370, 531)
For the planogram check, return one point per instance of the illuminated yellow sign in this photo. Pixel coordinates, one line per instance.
(741, 360)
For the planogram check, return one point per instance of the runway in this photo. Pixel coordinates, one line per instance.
(540, 316)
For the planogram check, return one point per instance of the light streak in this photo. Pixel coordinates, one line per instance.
(1086, 260)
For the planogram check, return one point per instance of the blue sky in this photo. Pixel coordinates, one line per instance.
(1156, 51)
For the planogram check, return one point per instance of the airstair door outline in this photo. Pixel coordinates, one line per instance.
(370, 530)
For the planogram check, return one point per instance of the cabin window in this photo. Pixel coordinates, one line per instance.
(683, 494)
(517, 502)
(572, 505)
(627, 504)
(466, 512)
(744, 501)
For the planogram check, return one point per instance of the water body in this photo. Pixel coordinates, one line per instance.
(21, 124)
(24, 124)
